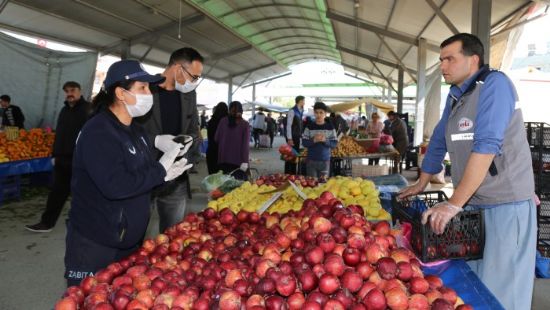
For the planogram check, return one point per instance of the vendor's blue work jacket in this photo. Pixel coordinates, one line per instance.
(113, 174)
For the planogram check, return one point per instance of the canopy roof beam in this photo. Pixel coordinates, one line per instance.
(298, 44)
(442, 16)
(368, 73)
(147, 35)
(371, 58)
(321, 39)
(229, 53)
(268, 79)
(306, 51)
(377, 29)
(401, 64)
(250, 70)
(268, 18)
(258, 6)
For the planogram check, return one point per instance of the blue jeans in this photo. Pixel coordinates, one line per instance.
(508, 264)
(317, 169)
(171, 206)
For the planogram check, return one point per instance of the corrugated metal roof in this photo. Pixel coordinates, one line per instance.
(150, 27)
(252, 40)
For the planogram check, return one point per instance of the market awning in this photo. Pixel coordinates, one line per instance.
(345, 106)
(383, 107)
(267, 107)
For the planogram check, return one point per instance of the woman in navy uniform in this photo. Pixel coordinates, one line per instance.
(113, 174)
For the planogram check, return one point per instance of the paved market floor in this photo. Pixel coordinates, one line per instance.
(31, 265)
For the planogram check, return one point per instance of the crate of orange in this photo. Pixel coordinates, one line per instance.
(34, 143)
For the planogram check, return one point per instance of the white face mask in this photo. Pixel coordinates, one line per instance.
(142, 106)
(187, 87)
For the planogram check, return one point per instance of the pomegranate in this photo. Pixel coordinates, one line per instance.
(397, 299)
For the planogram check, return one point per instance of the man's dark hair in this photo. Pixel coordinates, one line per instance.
(320, 106)
(298, 99)
(186, 54)
(5, 98)
(391, 113)
(71, 84)
(471, 45)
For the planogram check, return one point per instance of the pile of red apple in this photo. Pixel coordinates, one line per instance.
(279, 179)
(323, 257)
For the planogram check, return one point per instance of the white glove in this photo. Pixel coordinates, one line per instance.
(177, 169)
(166, 143)
(53, 161)
(440, 215)
(187, 143)
(244, 167)
(168, 158)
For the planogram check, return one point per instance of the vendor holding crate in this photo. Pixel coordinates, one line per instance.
(483, 133)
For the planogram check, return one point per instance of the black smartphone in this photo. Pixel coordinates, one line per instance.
(181, 140)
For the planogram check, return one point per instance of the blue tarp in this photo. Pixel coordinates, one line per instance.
(457, 275)
(25, 166)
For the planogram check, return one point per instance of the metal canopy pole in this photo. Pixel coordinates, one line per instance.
(230, 90)
(253, 91)
(125, 50)
(481, 24)
(420, 92)
(400, 90)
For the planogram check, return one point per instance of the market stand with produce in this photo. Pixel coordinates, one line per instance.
(246, 250)
(22, 152)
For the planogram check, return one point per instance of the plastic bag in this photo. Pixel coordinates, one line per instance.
(213, 181)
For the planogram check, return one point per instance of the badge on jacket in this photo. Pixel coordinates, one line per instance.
(465, 124)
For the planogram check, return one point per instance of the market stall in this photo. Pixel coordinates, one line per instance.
(22, 152)
(297, 247)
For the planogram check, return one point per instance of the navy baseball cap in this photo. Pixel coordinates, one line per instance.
(129, 70)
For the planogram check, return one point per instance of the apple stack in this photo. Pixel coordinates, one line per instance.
(323, 256)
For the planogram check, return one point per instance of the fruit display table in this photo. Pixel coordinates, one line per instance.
(10, 175)
(342, 165)
(19, 167)
(460, 277)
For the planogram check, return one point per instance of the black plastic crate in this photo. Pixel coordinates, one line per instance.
(538, 134)
(341, 166)
(543, 223)
(542, 182)
(463, 238)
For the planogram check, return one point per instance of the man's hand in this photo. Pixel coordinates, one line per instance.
(53, 161)
(412, 190)
(440, 215)
(290, 142)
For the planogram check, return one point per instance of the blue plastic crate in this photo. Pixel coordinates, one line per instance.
(10, 188)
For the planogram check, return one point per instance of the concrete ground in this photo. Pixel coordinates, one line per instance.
(31, 264)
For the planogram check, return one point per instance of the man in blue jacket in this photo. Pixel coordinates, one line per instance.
(293, 129)
(483, 133)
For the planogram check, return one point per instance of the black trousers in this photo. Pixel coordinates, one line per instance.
(290, 168)
(60, 191)
(212, 158)
(271, 137)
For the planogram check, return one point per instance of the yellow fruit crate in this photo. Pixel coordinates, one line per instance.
(12, 133)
